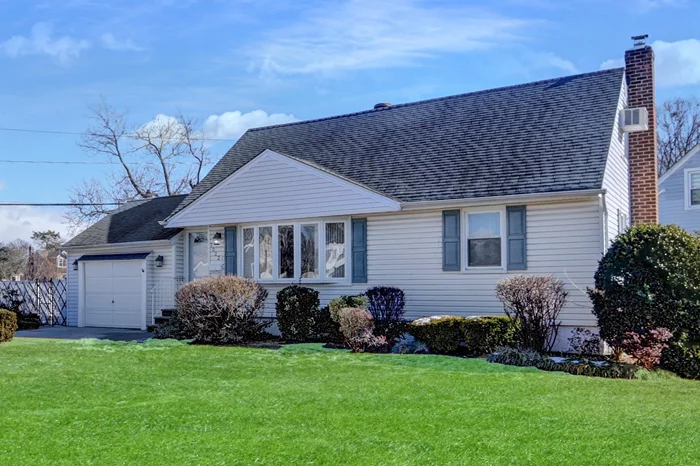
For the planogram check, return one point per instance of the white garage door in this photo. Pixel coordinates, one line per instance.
(113, 294)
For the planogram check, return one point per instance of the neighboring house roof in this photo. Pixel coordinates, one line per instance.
(541, 137)
(135, 221)
(691, 153)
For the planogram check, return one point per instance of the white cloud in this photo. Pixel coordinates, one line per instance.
(64, 49)
(612, 63)
(112, 43)
(365, 34)
(231, 125)
(676, 63)
(2, 185)
(550, 60)
(19, 222)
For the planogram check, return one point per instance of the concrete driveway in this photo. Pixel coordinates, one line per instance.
(76, 333)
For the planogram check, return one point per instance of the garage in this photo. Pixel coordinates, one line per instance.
(113, 291)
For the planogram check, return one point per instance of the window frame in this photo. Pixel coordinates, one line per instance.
(686, 188)
(501, 211)
(321, 229)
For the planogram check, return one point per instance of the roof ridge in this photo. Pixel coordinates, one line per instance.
(434, 99)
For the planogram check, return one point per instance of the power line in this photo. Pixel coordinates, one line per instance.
(86, 162)
(70, 133)
(57, 204)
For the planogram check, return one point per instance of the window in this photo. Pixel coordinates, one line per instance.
(293, 251)
(693, 188)
(249, 252)
(309, 251)
(335, 250)
(265, 256)
(484, 239)
(199, 255)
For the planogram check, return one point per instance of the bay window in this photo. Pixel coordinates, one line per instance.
(293, 251)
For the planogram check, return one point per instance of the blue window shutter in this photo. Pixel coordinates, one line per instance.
(231, 250)
(451, 220)
(359, 250)
(516, 217)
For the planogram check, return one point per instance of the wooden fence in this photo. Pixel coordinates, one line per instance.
(47, 298)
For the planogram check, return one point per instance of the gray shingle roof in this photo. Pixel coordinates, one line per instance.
(540, 137)
(132, 222)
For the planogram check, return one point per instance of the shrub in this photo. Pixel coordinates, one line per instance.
(409, 345)
(28, 321)
(355, 301)
(646, 347)
(386, 303)
(8, 325)
(297, 309)
(591, 368)
(535, 302)
(648, 278)
(217, 310)
(465, 335)
(522, 357)
(11, 300)
(583, 341)
(357, 327)
(326, 329)
(682, 359)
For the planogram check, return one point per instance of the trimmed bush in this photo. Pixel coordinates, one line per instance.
(355, 301)
(682, 359)
(386, 304)
(297, 311)
(474, 336)
(535, 302)
(357, 326)
(28, 321)
(8, 325)
(649, 278)
(217, 310)
(326, 329)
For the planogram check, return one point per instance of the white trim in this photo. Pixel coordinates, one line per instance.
(502, 200)
(687, 173)
(501, 210)
(679, 164)
(144, 294)
(153, 244)
(81, 294)
(267, 154)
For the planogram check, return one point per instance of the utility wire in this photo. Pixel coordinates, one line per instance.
(69, 133)
(56, 204)
(87, 162)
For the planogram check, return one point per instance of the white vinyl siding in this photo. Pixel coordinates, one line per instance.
(674, 191)
(692, 189)
(301, 191)
(405, 250)
(616, 177)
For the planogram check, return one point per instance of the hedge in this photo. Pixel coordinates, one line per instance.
(465, 335)
(8, 325)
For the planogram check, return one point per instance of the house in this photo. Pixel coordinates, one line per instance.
(679, 192)
(442, 198)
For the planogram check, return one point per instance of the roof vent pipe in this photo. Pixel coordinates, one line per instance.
(382, 105)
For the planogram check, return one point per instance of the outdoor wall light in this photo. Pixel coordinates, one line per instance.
(217, 238)
(159, 261)
(75, 265)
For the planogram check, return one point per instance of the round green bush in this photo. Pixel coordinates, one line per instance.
(474, 336)
(649, 278)
(683, 359)
(297, 310)
(8, 325)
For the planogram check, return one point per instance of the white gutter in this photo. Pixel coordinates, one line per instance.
(135, 244)
(513, 199)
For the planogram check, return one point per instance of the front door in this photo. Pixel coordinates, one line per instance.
(199, 255)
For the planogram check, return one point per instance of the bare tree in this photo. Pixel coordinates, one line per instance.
(13, 258)
(678, 130)
(164, 157)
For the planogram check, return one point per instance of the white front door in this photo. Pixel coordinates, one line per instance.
(198, 246)
(113, 294)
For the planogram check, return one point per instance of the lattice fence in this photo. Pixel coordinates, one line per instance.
(46, 297)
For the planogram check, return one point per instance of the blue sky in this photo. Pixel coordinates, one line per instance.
(237, 64)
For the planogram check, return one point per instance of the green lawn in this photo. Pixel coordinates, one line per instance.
(82, 402)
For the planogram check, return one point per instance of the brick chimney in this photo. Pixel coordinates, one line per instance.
(639, 68)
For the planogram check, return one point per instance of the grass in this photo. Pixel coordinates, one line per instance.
(90, 402)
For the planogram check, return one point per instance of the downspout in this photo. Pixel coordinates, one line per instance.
(604, 222)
